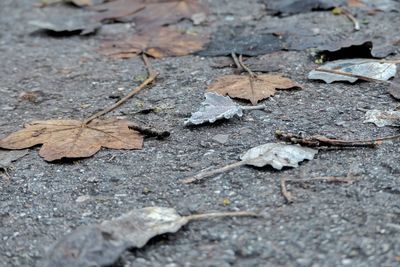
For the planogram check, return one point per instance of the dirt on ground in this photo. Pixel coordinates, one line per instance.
(328, 224)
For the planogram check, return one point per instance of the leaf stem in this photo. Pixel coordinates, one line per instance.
(259, 107)
(205, 216)
(152, 74)
(206, 174)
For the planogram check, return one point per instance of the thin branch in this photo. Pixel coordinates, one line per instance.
(236, 60)
(332, 179)
(221, 215)
(352, 75)
(318, 140)
(151, 77)
(285, 193)
(352, 18)
(249, 71)
(206, 174)
(259, 107)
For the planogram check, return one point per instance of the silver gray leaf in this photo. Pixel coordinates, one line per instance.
(215, 107)
(278, 155)
(102, 244)
(363, 67)
(383, 118)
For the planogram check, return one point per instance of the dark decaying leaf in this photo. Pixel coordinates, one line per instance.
(7, 157)
(82, 24)
(251, 88)
(301, 6)
(371, 47)
(215, 107)
(102, 244)
(73, 138)
(383, 118)
(151, 13)
(278, 155)
(157, 43)
(227, 41)
(369, 68)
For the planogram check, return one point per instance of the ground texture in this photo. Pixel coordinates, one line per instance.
(327, 225)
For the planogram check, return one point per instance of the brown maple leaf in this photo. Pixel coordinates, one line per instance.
(158, 43)
(73, 138)
(251, 88)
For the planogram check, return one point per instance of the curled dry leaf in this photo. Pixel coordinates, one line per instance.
(278, 155)
(369, 68)
(73, 138)
(158, 43)
(251, 88)
(82, 24)
(215, 107)
(383, 118)
(102, 244)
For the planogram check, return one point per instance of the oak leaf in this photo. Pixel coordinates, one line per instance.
(73, 138)
(251, 88)
(158, 43)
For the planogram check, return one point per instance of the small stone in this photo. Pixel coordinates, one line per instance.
(221, 138)
(83, 198)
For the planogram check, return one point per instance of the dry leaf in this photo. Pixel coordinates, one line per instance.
(253, 89)
(158, 43)
(368, 68)
(73, 139)
(215, 107)
(102, 244)
(383, 118)
(153, 13)
(278, 155)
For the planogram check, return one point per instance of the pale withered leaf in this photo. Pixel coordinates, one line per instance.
(383, 118)
(215, 107)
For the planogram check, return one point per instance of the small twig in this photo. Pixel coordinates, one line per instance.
(151, 77)
(259, 107)
(222, 214)
(352, 18)
(361, 77)
(150, 132)
(236, 60)
(206, 174)
(249, 71)
(318, 140)
(332, 179)
(285, 193)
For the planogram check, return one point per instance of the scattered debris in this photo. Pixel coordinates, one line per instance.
(32, 96)
(7, 157)
(273, 154)
(383, 118)
(102, 244)
(158, 43)
(369, 68)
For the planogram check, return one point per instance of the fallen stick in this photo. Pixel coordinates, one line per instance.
(332, 179)
(285, 193)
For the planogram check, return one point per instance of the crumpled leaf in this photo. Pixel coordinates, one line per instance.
(158, 43)
(215, 107)
(383, 118)
(363, 67)
(151, 14)
(82, 24)
(301, 6)
(253, 89)
(278, 155)
(7, 157)
(227, 41)
(102, 244)
(73, 139)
